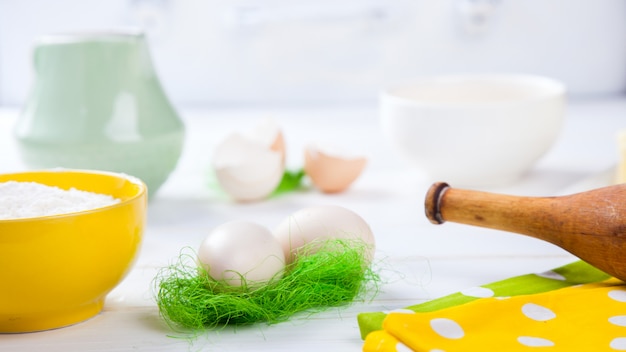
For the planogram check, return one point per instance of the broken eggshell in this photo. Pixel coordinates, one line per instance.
(331, 170)
(246, 168)
(268, 134)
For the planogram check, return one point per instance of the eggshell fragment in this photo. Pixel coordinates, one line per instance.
(269, 134)
(241, 251)
(329, 171)
(246, 169)
(322, 223)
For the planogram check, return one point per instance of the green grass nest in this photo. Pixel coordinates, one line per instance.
(336, 274)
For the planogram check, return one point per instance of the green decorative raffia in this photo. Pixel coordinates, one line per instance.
(337, 274)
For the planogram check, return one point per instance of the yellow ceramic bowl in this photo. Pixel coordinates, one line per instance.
(56, 270)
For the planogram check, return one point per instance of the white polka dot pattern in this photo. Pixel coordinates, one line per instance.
(537, 312)
(530, 341)
(551, 321)
(618, 344)
(552, 275)
(619, 320)
(400, 347)
(447, 328)
(618, 295)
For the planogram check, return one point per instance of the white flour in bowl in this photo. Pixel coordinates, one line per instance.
(31, 199)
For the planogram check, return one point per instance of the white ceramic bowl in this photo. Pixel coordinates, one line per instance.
(474, 130)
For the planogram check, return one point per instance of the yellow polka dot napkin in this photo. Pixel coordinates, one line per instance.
(585, 312)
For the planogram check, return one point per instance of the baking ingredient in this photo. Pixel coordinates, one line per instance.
(32, 199)
(318, 224)
(241, 253)
(250, 166)
(331, 170)
(335, 275)
(240, 281)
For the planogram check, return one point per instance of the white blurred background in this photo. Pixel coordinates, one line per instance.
(289, 52)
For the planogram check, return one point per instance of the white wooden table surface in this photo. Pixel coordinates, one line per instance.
(421, 261)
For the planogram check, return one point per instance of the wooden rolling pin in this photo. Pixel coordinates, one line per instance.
(591, 225)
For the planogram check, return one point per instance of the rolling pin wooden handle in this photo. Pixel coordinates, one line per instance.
(590, 225)
(433, 201)
(525, 215)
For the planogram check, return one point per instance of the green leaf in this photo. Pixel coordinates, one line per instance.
(291, 181)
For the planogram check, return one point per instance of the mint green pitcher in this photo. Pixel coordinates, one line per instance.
(97, 104)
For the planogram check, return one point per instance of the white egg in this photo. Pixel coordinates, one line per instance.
(322, 223)
(241, 252)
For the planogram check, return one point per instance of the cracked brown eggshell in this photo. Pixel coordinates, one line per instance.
(331, 172)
